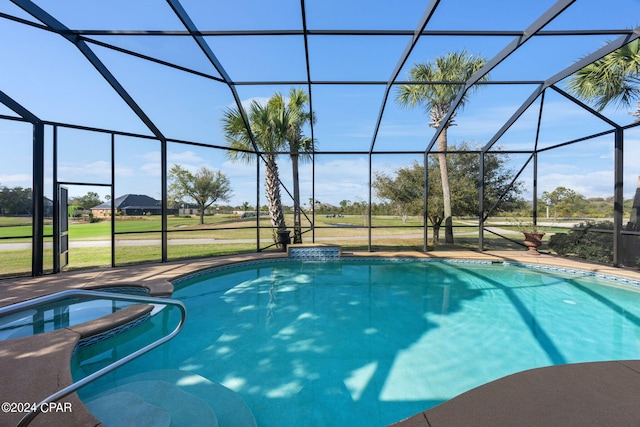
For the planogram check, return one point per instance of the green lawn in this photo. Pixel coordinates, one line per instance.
(346, 231)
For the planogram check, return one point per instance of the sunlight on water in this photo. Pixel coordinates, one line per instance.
(372, 342)
(359, 379)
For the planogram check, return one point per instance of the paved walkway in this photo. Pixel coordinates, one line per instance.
(154, 242)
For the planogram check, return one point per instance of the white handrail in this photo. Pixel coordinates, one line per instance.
(102, 295)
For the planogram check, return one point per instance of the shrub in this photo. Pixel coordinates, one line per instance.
(74, 211)
(583, 242)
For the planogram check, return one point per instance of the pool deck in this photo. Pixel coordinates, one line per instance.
(602, 393)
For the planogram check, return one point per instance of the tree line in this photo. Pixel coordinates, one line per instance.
(15, 201)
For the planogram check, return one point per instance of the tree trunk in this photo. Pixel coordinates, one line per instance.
(297, 226)
(436, 221)
(446, 192)
(272, 185)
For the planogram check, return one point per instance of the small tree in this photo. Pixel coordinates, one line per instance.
(87, 201)
(205, 187)
(404, 190)
(74, 211)
(564, 201)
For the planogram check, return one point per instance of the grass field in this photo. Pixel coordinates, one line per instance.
(226, 234)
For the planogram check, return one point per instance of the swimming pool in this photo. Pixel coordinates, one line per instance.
(371, 341)
(59, 314)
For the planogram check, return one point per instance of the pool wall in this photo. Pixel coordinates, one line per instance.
(303, 252)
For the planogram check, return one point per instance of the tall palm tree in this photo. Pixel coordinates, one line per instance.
(615, 78)
(300, 146)
(269, 138)
(436, 99)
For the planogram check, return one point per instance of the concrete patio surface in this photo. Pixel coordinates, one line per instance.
(604, 393)
(574, 395)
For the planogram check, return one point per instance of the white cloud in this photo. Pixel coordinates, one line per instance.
(238, 169)
(246, 103)
(333, 193)
(151, 156)
(18, 179)
(149, 169)
(184, 158)
(85, 171)
(591, 184)
(404, 130)
(339, 179)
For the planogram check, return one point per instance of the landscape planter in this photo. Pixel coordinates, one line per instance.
(533, 240)
(284, 238)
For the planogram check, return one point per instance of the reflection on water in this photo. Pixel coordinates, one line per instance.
(60, 314)
(370, 343)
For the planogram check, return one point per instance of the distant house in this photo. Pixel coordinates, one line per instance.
(191, 209)
(130, 204)
(188, 209)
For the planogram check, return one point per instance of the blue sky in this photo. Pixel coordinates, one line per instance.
(47, 75)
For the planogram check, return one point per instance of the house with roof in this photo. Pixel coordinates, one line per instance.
(129, 204)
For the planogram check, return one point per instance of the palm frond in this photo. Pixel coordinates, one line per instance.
(237, 136)
(439, 89)
(613, 79)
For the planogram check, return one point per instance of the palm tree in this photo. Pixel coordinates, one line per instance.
(269, 138)
(613, 78)
(436, 99)
(295, 114)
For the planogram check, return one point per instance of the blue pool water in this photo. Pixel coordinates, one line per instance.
(370, 342)
(56, 315)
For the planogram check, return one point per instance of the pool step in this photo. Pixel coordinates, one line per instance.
(111, 411)
(151, 403)
(226, 406)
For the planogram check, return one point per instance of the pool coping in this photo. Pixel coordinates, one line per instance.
(572, 395)
(37, 366)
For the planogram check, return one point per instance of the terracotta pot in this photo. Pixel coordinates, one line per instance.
(532, 240)
(283, 238)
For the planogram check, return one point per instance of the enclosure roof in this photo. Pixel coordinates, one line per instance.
(169, 70)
